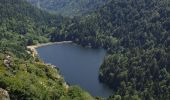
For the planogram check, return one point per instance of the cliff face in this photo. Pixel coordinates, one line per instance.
(4, 94)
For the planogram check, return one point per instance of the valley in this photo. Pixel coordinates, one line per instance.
(134, 33)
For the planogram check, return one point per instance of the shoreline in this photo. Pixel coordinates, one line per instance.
(34, 53)
(33, 48)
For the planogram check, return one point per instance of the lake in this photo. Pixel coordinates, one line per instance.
(78, 65)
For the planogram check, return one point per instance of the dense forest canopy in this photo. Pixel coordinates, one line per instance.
(140, 67)
(68, 8)
(136, 34)
(25, 77)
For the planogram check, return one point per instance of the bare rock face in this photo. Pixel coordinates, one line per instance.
(4, 94)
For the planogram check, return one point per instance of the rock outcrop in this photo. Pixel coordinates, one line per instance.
(4, 94)
(8, 61)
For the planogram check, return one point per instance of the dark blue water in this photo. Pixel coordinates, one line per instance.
(78, 65)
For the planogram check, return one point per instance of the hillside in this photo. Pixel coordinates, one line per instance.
(68, 7)
(136, 34)
(21, 75)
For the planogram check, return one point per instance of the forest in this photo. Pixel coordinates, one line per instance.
(25, 77)
(68, 8)
(137, 37)
(136, 34)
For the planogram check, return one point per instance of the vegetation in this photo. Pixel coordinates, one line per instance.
(138, 67)
(25, 77)
(69, 8)
(37, 81)
(136, 34)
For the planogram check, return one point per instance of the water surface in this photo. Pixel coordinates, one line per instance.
(78, 65)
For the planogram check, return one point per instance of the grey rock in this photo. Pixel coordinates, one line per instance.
(4, 94)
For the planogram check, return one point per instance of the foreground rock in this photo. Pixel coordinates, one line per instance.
(4, 94)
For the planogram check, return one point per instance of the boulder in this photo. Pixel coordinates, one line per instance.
(4, 94)
(8, 61)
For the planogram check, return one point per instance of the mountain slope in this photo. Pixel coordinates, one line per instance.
(137, 35)
(68, 7)
(139, 68)
(25, 77)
